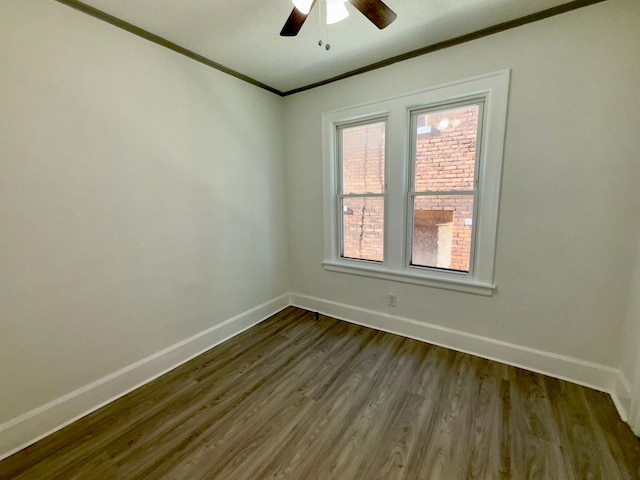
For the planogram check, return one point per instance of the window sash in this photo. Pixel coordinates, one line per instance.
(414, 113)
(340, 195)
(412, 193)
(341, 230)
(410, 231)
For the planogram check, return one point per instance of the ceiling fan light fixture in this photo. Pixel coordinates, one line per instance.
(303, 6)
(376, 11)
(336, 11)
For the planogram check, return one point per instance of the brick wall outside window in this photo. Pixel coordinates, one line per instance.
(445, 160)
(363, 156)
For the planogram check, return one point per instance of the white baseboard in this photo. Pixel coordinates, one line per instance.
(31, 426)
(621, 395)
(36, 424)
(589, 374)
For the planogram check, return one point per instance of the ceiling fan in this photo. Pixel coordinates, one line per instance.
(375, 10)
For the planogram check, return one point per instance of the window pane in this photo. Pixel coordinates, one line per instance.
(363, 150)
(446, 149)
(442, 227)
(363, 228)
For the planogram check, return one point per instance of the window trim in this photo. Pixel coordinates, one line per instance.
(494, 87)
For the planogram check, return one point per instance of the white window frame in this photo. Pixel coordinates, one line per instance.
(494, 89)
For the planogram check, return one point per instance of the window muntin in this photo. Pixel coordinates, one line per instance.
(361, 195)
(445, 145)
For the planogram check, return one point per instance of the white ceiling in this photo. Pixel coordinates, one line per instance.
(243, 35)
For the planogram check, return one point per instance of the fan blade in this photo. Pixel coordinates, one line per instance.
(376, 11)
(294, 23)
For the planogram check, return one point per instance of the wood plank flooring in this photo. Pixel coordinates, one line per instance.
(294, 398)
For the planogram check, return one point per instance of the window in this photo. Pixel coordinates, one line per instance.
(444, 158)
(361, 190)
(412, 185)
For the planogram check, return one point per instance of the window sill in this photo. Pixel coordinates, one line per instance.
(456, 284)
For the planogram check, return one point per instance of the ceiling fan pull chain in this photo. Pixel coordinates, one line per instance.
(321, 13)
(326, 26)
(320, 42)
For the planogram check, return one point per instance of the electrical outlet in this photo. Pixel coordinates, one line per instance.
(392, 299)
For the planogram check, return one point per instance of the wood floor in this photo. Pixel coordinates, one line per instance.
(300, 399)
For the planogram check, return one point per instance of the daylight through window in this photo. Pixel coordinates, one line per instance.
(412, 183)
(444, 192)
(362, 152)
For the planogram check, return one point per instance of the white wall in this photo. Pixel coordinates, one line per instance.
(569, 204)
(142, 201)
